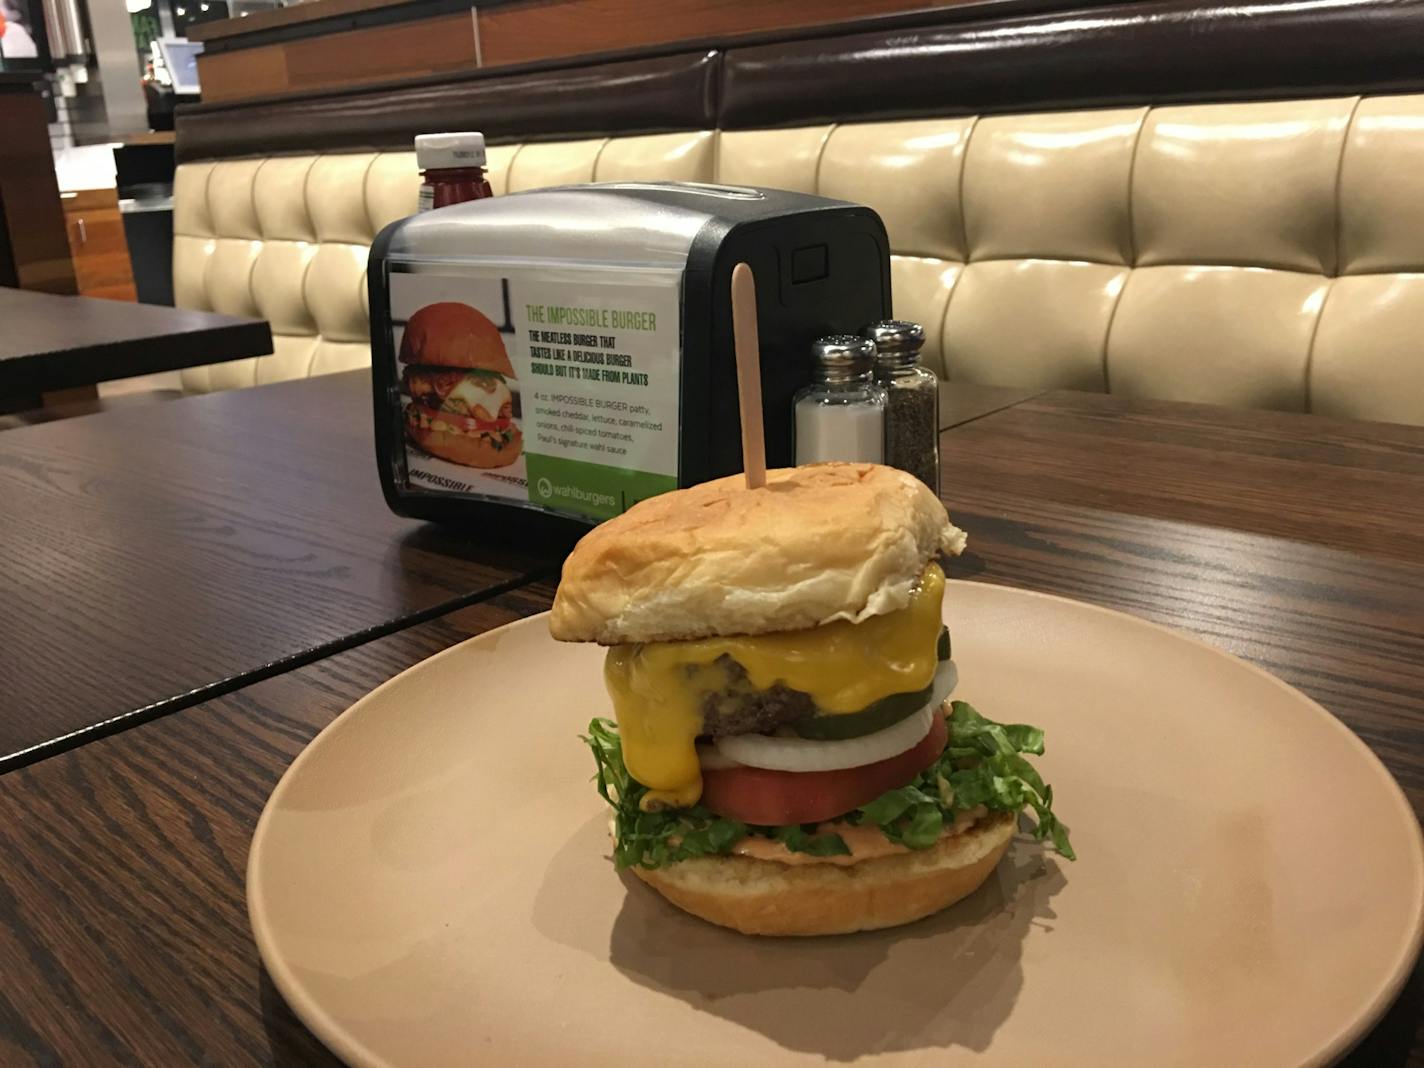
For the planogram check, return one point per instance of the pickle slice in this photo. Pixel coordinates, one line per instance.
(873, 717)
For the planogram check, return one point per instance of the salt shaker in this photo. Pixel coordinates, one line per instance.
(911, 399)
(841, 414)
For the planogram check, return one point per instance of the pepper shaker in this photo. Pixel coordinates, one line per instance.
(911, 399)
(841, 414)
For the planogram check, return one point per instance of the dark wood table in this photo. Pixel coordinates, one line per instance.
(1349, 485)
(151, 558)
(50, 343)
(123, 921)
(127, 929)
(963, 402)
(1301, 546)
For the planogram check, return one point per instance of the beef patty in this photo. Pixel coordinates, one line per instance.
(740, 709)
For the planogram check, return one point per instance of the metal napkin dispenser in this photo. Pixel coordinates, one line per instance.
(542, 361)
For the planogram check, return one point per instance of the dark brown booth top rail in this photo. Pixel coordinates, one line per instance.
(979, 58)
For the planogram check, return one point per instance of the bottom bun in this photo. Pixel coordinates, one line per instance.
(469, 450)
(763, 897)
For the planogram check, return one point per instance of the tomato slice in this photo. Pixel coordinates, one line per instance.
(773, 798)
(463, 422)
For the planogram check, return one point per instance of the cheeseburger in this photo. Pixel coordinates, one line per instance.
(784, 761)
(456, 370)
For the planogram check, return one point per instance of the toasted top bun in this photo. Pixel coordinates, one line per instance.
(451, 334)
(815, 544)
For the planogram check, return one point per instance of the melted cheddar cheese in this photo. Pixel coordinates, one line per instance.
(658, 688)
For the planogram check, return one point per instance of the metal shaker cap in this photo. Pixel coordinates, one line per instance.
(841, 358)
(897, 341)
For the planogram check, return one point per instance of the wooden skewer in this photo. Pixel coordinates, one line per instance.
(744, 333)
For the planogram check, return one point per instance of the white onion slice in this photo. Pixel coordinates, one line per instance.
(712, 760)
(945, 680)
(777, 753)
(810, 754)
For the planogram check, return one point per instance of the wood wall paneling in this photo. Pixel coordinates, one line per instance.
(352, 57)
(282, 17)
(507, 34)
(405, 48)
(247, 73)
(549, 29)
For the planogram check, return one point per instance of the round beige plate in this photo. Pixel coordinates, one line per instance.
(429, 883)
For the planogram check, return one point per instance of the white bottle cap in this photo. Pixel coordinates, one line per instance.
(440, 150)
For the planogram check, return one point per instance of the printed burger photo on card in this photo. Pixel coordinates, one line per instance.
(537, 384)
(457, 374)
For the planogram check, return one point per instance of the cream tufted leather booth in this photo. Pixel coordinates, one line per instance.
(286, 238)
(1259, 254)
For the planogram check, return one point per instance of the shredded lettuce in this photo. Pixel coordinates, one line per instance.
(652, 839)
(982, 764)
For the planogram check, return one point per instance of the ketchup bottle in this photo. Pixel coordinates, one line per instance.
(452, 168)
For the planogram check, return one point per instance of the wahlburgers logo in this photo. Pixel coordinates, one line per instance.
(548, 491)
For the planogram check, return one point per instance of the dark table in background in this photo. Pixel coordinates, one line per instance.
(963, 402)
(1345, 484)
(153, 557)
(218, 539)
(128, 929)
(157, 864)
(50, 343)
(1294, 541)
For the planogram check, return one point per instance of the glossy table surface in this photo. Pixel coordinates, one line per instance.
(52, 342)
(124, 933)
(152, 557)
(1349, 485)
(963, 402)
(127, 928)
